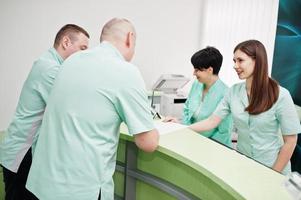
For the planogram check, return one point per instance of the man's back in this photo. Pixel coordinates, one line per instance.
(95, 91)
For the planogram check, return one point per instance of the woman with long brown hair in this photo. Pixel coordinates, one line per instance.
(260, 107)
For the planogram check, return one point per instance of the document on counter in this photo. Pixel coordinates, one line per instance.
(168, 127)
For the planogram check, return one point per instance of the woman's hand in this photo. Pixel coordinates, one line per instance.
(286, 152)
(171, 119)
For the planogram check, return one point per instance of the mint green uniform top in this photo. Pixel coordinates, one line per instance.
(75, 155)
(22, 132)
(259, 136)
(196, 110)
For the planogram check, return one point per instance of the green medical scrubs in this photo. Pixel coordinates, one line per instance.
(196, 109)
(259, 136)
(75, 156)
(22, 132)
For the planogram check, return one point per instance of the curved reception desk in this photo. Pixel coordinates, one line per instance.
(189, 166)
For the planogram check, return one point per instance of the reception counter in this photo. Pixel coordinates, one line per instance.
(189, 166)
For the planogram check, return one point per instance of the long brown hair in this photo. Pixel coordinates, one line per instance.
(264, 90)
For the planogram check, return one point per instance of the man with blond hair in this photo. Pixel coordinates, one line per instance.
(21, 134)
(95, 92)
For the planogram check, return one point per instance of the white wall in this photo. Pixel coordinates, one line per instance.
(230, 22)
(169, 32)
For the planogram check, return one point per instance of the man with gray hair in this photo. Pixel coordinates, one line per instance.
(94, 93)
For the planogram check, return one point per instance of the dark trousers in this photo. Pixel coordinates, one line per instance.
(296, 157)
(99, 195)
(15, 182)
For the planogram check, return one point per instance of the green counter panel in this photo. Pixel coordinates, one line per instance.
(119, 184)
(148, 192)
(172, 171)
(181, 175)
